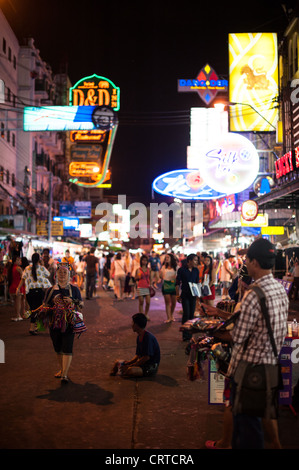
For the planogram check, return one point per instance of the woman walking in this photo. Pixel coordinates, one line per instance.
(36, 279)
(119, 271)
(62, 302)
(143, 285)
(168, 276)
(14, 277)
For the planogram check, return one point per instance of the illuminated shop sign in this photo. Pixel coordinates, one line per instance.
(84, 169)
(287, 163)
(59, 118)
(207, 84)
(87, 136)
(253, 81)
(261, 220)
(95, 90)
(226, 205)
(229, 164)
(184, 184)
(205, 124)
(249, 210)
(90, 166)
(69, 223)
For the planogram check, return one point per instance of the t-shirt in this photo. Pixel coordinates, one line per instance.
(42, 278)
(149, 346)
(155, 263)
(91, 262)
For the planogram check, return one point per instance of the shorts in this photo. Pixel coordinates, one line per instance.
(63, 342)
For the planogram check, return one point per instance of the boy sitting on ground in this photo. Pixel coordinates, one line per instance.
(146, 361)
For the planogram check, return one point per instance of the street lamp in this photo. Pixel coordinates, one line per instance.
(221, 106)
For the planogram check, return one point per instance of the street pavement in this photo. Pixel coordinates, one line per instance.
(98, 411)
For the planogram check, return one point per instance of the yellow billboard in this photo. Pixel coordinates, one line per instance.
(253, 81)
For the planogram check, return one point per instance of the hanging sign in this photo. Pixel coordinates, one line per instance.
(249, 210)
(184, 184)
(229, 164)
(207, 84)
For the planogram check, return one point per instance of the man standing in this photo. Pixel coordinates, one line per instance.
(155, 268)
(187, 273)
(226, 275)
(251, 328)
(92, 269)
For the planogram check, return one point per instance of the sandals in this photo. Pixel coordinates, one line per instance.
(212, 445)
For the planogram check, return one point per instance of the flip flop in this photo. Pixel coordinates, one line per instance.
(212, 445)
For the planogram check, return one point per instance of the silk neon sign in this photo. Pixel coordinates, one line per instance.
(230, 164)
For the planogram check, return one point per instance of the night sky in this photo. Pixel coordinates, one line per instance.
(144, 47)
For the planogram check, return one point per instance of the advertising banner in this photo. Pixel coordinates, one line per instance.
(253, 81)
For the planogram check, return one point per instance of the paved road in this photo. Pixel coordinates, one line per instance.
(96, 411)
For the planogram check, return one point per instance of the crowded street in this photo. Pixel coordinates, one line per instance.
(149, 229)
(97, 411)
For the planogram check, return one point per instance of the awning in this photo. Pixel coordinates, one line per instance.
(281, 197)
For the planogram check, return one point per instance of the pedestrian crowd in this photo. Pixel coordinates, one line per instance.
(51, 291)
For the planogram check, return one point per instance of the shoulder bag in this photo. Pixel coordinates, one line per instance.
(258, 385)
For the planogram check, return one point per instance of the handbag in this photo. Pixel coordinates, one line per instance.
(152, 291)
(257, 385)
(78, 324)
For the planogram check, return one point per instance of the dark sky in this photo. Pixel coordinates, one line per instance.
(144, 47)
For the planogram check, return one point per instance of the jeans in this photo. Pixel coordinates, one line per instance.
(188, 304)
(90, 285)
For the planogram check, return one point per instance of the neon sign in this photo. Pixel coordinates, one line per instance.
(230, 164)
(284, 165)
(184, 184)
(84, 169)
(95, 91)
(102, 97)
(249, 210)
(207, 84)
(87, 136)
(58, 118)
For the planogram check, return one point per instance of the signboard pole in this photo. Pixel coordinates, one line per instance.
(50, 206)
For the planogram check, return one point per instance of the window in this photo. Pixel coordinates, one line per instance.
(9, 54)
(14, 62)
(1, 173)
(7, 177)
(8, 136)
(4, 45)
(13, 139)
(13, 180)
(2, 130)
(8, 95)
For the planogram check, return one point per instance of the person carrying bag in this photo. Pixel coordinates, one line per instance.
(258, 385)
